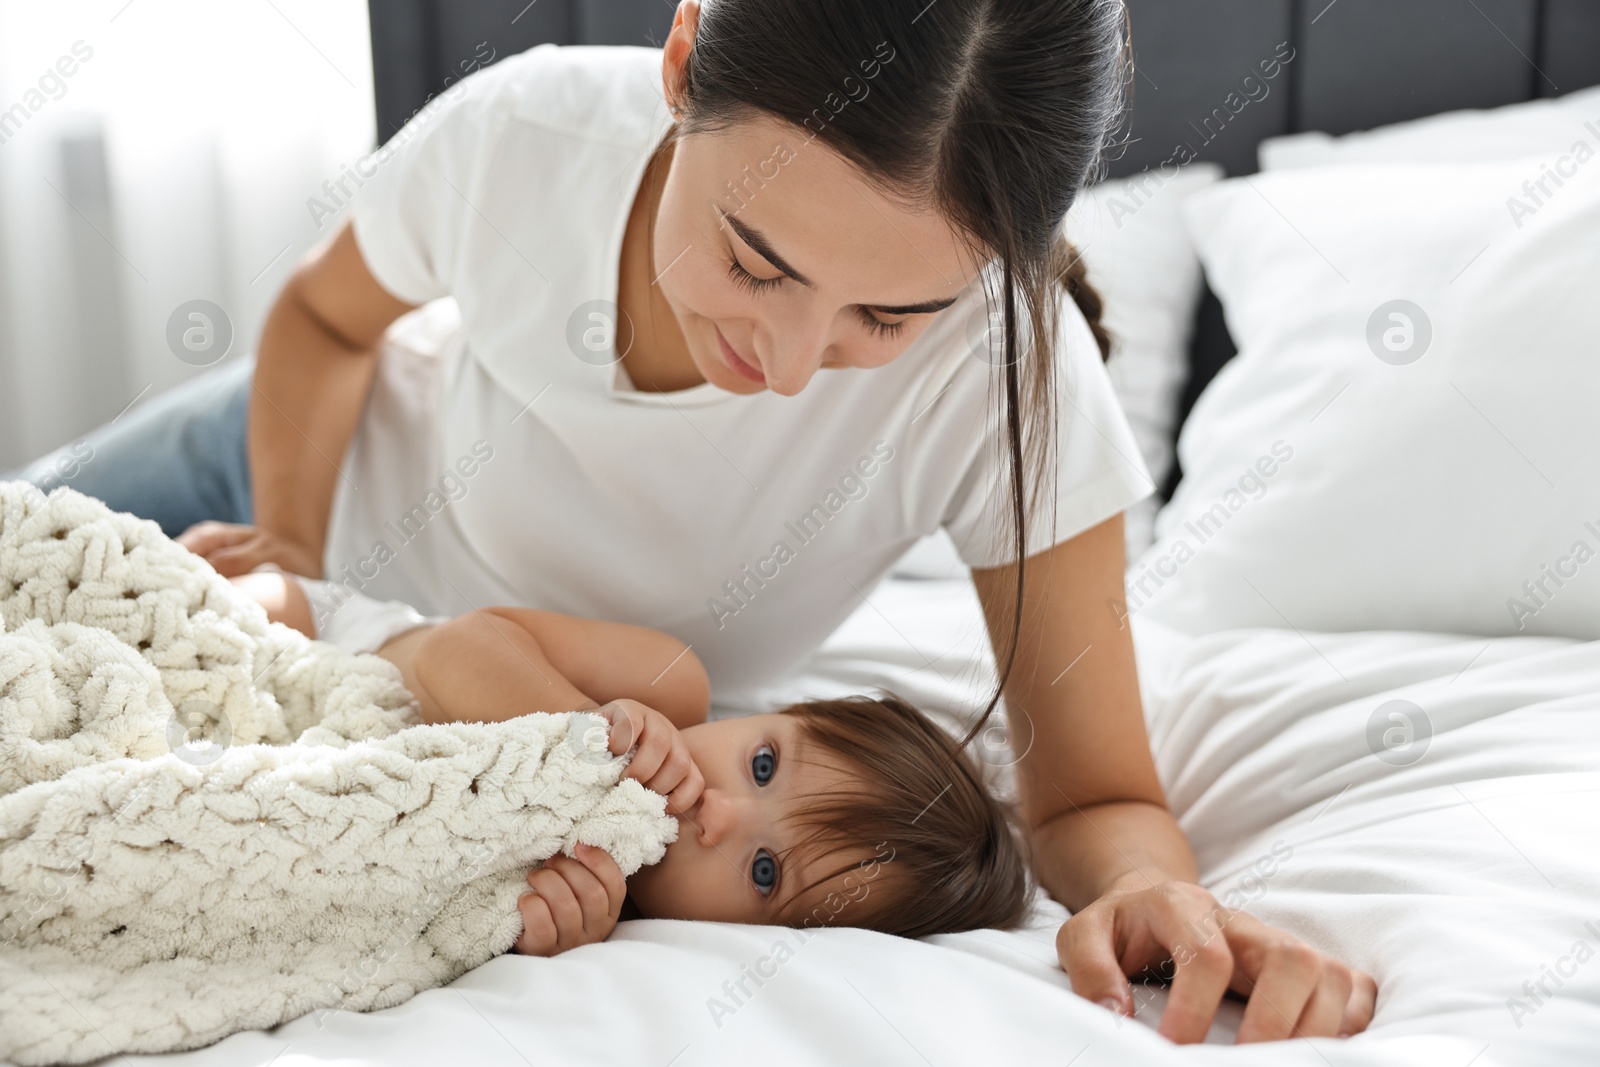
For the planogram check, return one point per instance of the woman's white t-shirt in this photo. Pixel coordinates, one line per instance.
(504, 458)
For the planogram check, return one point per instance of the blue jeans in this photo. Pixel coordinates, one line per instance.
(178, 459)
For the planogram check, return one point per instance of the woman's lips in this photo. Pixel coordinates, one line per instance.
(732, 359)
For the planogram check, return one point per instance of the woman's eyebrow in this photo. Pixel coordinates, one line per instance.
(924, 308)
(756, 240)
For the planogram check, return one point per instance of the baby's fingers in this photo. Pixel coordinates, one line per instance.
(627, 723)
(687, 793)
(676, 768)
(654, 747)
(548, 882)
(609, 877)
(538, 926)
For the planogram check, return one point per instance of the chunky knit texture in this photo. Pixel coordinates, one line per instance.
(211, 823)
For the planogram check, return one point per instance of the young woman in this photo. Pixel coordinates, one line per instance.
(740, 320)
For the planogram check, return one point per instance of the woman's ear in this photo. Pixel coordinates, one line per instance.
(675, 52)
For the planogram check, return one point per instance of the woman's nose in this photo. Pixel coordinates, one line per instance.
(795, 354)
(715, 817)
(792, 374)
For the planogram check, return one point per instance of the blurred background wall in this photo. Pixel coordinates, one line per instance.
(176, 160)
(155, 152)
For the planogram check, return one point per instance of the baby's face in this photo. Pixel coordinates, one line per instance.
(725, 864)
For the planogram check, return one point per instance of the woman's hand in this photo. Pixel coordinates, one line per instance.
(233, 549)
(662, 762)
(1183, 933)
(573, 902)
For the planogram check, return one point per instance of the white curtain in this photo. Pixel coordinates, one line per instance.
(154, 152)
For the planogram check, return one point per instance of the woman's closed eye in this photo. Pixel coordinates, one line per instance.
(746, 280)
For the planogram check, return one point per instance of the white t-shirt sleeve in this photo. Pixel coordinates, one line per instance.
(413, 215)
(357, 623)
(1099, 473)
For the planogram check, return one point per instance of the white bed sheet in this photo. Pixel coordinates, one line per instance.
(1453, 880)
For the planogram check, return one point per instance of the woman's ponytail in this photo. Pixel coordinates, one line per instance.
(1074, 278)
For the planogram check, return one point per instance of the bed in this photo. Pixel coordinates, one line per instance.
(1367, 740)
(1454, 880)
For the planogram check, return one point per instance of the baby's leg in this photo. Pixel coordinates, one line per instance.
(282, 596)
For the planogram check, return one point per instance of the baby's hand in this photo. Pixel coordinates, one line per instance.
(574, 902)
(662, 762)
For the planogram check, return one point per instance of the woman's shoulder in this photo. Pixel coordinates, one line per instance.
(592, 92)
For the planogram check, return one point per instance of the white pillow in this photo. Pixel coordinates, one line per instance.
(1140, 259)
(1526, 129)
(1131, 235)
(1329, 483)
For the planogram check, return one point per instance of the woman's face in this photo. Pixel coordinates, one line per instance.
(727, 864)
(776, 248)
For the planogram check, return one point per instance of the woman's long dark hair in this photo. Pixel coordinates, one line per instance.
(995, 111)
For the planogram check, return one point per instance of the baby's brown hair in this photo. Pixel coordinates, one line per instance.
(947, 855)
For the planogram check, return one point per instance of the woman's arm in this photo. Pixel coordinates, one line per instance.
(314, 367)
(1106, 844)
(1086, 781)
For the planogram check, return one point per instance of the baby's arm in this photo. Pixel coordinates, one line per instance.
(492, 664)
(499, 662)
(283, 599)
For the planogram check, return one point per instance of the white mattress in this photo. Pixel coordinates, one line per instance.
(1452, 880)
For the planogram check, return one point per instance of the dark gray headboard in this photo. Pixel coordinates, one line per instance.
(1356, 64)
(418, 44)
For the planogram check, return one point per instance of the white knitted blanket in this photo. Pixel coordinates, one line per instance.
(211, 823)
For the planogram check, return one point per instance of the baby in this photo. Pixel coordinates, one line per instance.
(852, 812)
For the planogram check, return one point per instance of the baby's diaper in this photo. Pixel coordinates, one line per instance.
(353, 622)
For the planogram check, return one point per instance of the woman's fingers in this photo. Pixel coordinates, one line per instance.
(209, 535)
(1325, 1009)
(1187, 921)
(1288, 990)
(233, 549)
(237, 559)
(1294, 990)
(1086, 947)
(1363, 999)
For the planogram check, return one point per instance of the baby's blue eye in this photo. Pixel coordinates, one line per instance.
(764, 872)
(763, 764)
